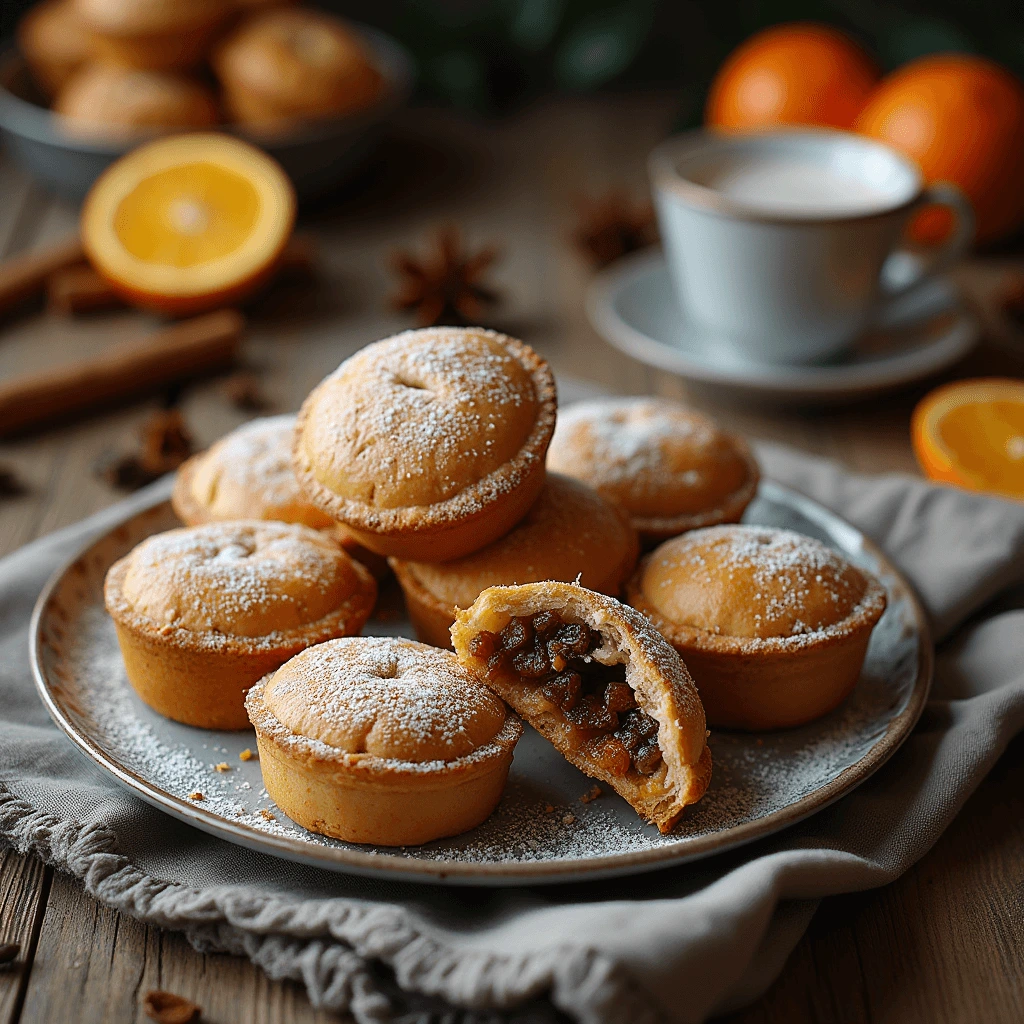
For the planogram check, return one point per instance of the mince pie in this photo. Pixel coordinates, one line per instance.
(670, 468)
(570, 533)
(773, 625)
(594, 678)
(284, 64)
(248, 475)
(203, 612)
(381, 740)
(430, 444)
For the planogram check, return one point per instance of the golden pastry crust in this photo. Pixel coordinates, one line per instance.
(286, 63)
(203, 612)
(671, 468)
(660, 684)
(159, 35)
(108, 101)
(247, 474)
(54, 41)
(430, 444)
(381, 740)
(570, 533)
(774, 625)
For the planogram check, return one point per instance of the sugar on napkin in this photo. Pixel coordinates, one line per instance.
(676, 945)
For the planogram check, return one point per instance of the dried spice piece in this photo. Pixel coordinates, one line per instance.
(243, 391)
(299, 259)
(168, 1008)
(11, 485)
(166, 443)
(446, 287)
(1012, 301)
(612, 225)
(79, 289)
(9, 952)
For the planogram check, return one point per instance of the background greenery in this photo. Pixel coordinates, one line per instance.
(489, 55)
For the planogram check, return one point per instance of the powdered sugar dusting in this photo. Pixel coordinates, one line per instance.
(382, 696)
(629, 435)
(757, 780)
(425, 417)
(794, 588)
(252, 462)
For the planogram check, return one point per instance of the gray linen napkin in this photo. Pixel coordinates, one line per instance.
(676, 945)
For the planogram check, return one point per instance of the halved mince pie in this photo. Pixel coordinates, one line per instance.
(571, 533)
(774, 625)
(672, 469)
(430, 444)
(597, 680)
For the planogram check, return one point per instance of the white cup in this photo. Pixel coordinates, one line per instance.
(777, 241)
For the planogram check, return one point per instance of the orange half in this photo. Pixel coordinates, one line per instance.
(971, 434)
(188, 223)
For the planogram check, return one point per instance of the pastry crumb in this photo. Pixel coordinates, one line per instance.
(246, 755)
(548, 809)
(591, 795)
(267, 815)
(196, 795)
(222, 767)
(568, 819)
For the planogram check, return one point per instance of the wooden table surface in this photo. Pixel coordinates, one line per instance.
(943, 943)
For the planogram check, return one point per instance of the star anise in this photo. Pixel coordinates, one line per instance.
(612, 225)
(165, 443)
(447, 286)
(244, 392)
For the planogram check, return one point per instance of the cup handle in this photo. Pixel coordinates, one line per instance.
(942, 193)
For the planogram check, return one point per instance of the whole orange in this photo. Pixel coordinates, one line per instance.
(798, 73)
(961, 118)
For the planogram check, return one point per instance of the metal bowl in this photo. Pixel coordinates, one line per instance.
(318, 156)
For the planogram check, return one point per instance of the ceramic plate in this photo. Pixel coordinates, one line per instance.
(542, 830)
(633, 306)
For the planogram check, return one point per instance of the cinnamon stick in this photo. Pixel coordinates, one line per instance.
(24, 277)
(202, 345)
(79, 289)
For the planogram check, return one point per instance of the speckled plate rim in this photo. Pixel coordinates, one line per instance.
(386, 865)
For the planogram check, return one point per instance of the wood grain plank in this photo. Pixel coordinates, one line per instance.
(24, 885)
(95, 965)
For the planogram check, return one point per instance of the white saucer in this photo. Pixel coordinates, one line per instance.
(633, 306)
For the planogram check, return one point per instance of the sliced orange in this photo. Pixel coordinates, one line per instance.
(188, 223)
(971, 433)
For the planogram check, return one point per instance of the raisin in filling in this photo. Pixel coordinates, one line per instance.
(595, 699)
